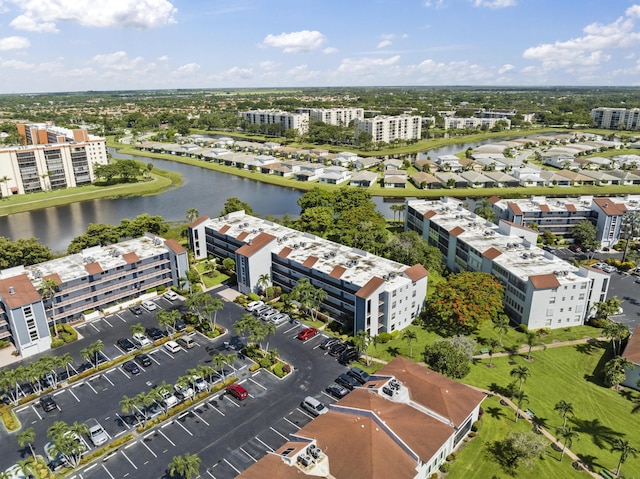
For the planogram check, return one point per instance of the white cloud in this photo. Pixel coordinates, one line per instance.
(295, 42)
(505, 68)
(163, 58)
(366, 65)
(268, 65)
(434, 3)
(494, 3)
(117, 61)
(189, 68)
(330, 50)
(28, 24)
(587, 50)
(235, 73)
(14, 43)
(633, 11)
(44, 14)
(451, 73)
(301, 74)
(384, 43)
(17, 65)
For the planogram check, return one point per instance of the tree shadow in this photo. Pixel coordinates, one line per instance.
(591, 462)
(541, 421)
(602, 436)
(597, 376)
(393, 351)
(495, 412)
(503, 391)
(591, 346)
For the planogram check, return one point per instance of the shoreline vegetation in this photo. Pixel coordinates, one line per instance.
(163, 180)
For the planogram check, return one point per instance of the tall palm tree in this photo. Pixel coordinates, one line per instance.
(269, 330)
(520, 397)
(167, 319)
(533, 340)
(27, 437)
(567, 435)
(263, 282)
(361, 341)
(501, 323)
(410, 336)
(564, 408)
(137, 328)
(186, 466)
(219, 361)
(129, 405)
(617, 332)
(192, 215)
(624, 447)
(492, 346)
(48, 289)
(5, 179)
(92, 351)
(520, 373)
(212, 308)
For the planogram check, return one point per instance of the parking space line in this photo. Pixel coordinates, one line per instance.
(200, 417)
(153, 358)
(105, 320)
(163, 435)
(304, 412)
(216, 409)
(70, 391)
(292, 423)
(214, 477)
(37, 413)
(182, 426)
(279, 434)
(148, 448)
(88, 383)
(124, 374)
(130, 461)
(232, 466)
(328, 395)
(88, 469)
(233, 402)
(252, 458)
(291, 329)
(94, 327)
(264, 444)
(22, 409)
(58, 393)
(257, 383)
(109, 380)
(120, 317)
(123, 421)
(107, 471)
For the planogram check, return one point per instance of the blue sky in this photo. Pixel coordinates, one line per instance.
(77, 45)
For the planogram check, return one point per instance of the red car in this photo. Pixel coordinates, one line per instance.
(307, 333)
(237, 391)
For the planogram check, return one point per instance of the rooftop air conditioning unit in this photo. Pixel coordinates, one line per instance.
(305, 460)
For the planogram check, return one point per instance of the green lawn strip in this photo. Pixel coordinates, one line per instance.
(573, 374)
(161, 180)
(474, 462)
(610, 153)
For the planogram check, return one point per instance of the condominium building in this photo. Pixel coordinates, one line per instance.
(50, 158)
(93, 279)
(469, 123)
(372, 293)
(614, 118)
(560, 215)
(288, 120)
(541, 290)
(389, 128)
(333, 116)
(401, 424)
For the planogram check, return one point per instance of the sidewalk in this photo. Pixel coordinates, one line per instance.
(524, 349)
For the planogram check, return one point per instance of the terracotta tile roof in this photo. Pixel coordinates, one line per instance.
(492, 253)
(53, 276)
(610, 208)
(224, 229)
(257, 243)
(93, 268)
(285, 252)
(515, 208)
(174, 246)
(200, 220)
(570, 207)
(632, 351)
(429, 214)
(337, 271)
(416, 272)
(373, 284)
(518, 225)
(544, 281)
(456, 231)
(24, 292)
(493, 199)
(545, 208)
(309, 262)
(242, 236)
(448, 398)
(272, 466)
(130, 258)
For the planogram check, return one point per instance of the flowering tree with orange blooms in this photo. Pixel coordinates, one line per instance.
(464, 302)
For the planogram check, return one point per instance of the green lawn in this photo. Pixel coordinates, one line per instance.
(208, 280)
(572, 374)
(473, 461)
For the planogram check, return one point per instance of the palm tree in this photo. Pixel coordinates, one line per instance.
(361, 341)
(317, 298)
(167, 319)
(625, 449)
(410, 336)
(27, 437)
(48, 289)
(219, 361)
(617, 332)
(564, 408)
(92, 351)
(186, 466)
(567, 435)
(129, 405)
(520, 397)
(493, 344)
(520, 373)
(137, 328)
(206, 372)
(24, 466)
(269, 329)
(263, 282)
(501, 323)
(5, 179)
(212, 308)
(192, 215)
(66, 360)
(533, 339)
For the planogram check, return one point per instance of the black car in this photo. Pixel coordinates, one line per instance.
(337, 391)
(126, 345)
(359, 375)
(143, 360)
(347, 381)
(181, 325)
(155, 333)
(348, 355)
(137, 310)
(327, 343)
(47, 403)
(336, 349)
(131, 367)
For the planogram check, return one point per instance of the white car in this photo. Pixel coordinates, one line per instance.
(141, 341)
(313, 406)
(149, 305)
(279, 318)
(254, 305)
(184, 392)
(170, 295)
(172, 346)
(199, 383)
(96, 433)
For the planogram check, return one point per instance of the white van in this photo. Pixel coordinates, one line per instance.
(186, 342)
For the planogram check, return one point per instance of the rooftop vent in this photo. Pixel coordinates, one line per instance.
(12, 291)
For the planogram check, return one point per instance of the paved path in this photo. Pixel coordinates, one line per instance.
(524, 349)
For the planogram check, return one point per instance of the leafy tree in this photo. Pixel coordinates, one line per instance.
(519, 448)
(185, 466)
(229, 264)
(624, 447)
(616, 332)
(501, 323)
(25, 252)
(318, 220)
(316, 198)
(445, 358)
(485, 210)
(615, 371)
(236, 204)
(584, 234)
(465, 301)
(564, 408)
(566, 434)
(410, 248)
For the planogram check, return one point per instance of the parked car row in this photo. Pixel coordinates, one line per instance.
(343, 351)
(607, 268)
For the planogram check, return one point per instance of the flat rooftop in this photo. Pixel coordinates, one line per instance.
(581, 203)
(360, 266)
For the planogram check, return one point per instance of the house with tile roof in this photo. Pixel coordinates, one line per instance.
(632, 353)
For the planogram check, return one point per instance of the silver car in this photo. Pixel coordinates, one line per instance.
(96, 433)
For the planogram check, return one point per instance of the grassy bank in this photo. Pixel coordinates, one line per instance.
(159, 182)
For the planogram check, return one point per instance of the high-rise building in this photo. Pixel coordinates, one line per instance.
(288, 120)
(614, 118)
(389, 128)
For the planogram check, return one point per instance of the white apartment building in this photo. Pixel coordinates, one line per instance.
(288, 120)
(614, 118)
(95, 278)
(333, 116)
(389, 128)
(374, 293)
(541, 290)
(469, 123)
(51, 158)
